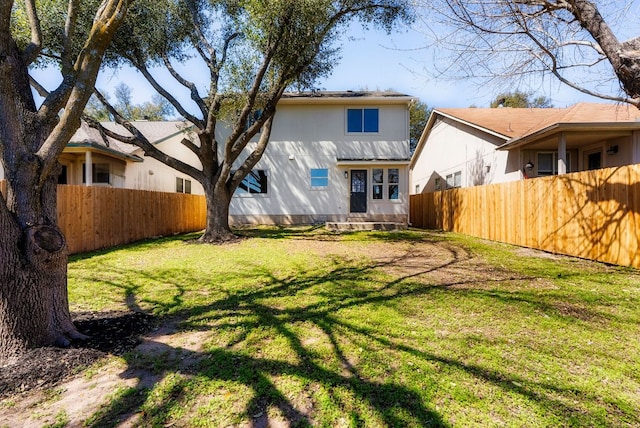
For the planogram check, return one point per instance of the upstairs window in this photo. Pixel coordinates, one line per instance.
(253, 118)
(254, 183)
(362, 120)
(319, 177)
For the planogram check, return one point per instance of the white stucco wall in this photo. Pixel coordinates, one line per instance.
(454, 147)
(314, 136)
(153, 175)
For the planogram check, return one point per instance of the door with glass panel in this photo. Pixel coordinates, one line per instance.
(358, 200)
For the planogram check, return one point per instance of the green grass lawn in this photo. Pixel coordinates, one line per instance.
(299, 327)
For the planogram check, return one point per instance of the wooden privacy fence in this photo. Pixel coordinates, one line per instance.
(591, 214)
(93, 217)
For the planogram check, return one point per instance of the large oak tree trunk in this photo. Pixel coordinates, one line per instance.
(217, 228)
(34, 307)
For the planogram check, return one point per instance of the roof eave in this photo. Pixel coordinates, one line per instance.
(346, 162)
(362, 100)
(106, 150)
(568, 127)
(475, 126)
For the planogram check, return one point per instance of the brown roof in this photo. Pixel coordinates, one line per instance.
(91, 136)
(155, 131)
(518, 122)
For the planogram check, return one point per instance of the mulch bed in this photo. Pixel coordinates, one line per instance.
(111, 333)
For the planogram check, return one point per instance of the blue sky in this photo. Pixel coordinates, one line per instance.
(373, 60)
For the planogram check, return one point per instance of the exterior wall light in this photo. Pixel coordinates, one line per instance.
(529, 166)
(612, 150)
(346, 174)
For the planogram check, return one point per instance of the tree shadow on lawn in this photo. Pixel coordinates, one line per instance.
(232, 319)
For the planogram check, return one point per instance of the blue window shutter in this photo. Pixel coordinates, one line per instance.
(354, 120)
(370, 120)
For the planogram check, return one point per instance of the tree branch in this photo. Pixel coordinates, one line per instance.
(75, 91)
(193, 90)
(69, 32)
(254, 157)
(138, 139)
(32, 51)
(142, 68)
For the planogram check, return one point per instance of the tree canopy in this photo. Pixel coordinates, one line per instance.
(252, 51)
(418, 116)
(519, 99)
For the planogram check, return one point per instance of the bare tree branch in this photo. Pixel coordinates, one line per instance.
(504, 38)
(193, 90)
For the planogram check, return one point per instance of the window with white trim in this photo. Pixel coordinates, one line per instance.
(454, 180)
(363, 120)
(393, 180)
(378, 183)
(183, 185)
(100, 173)
(385, 183)
(548, 163)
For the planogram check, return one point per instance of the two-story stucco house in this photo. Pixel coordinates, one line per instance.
(462, 147)
(332, 156)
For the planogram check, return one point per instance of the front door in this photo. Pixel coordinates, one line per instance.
(358, 191)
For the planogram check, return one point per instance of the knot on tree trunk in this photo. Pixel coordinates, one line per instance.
(44, 245)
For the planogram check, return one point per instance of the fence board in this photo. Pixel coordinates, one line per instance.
(590, 214)
(93, 217)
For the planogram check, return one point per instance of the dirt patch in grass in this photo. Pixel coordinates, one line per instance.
(48, 374)
(110, 333)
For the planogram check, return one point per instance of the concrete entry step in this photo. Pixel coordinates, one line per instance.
(364, 225)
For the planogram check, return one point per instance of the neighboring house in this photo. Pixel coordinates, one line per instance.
(116, 164)
(462, 147)
(92, 159)
(108, 160)
(152, 174)
(332, 156)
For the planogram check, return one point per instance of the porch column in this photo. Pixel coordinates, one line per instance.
(88, 168)
(562, 154)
